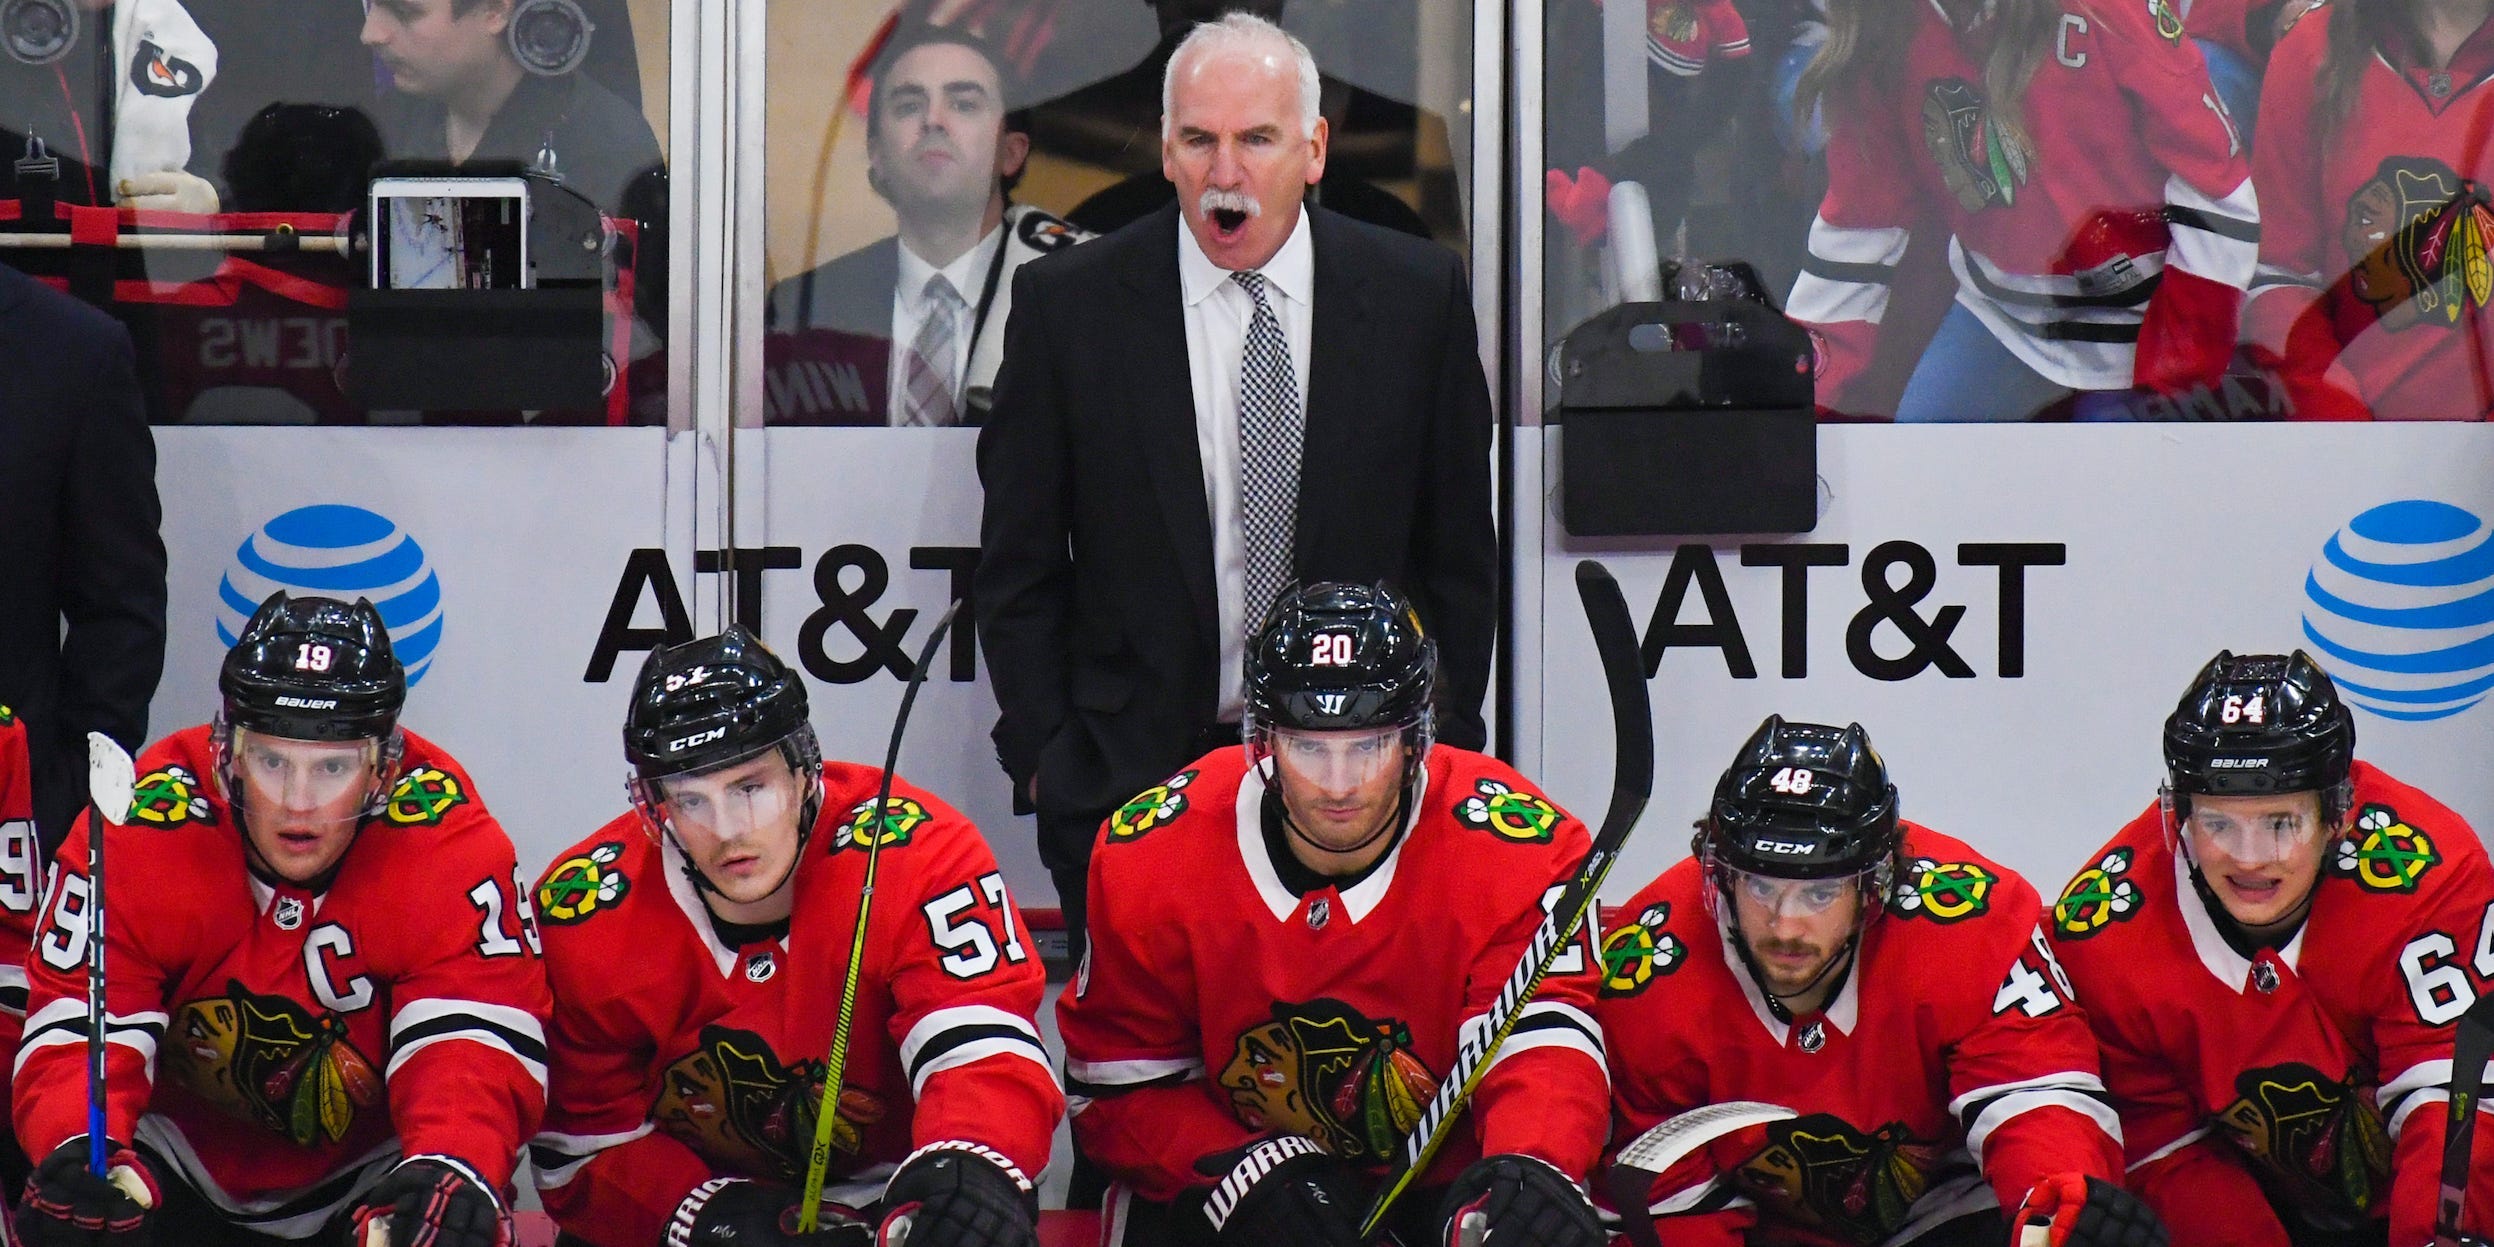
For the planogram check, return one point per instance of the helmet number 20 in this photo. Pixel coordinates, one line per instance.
(1329, 649)
(1793, 780)
(2238, 709)
(312, 656)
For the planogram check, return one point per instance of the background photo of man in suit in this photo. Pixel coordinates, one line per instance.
(909, 330)
(1172, 444)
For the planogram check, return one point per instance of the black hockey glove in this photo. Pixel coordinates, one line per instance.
(1526, 1201)
(430, 1203)
(2075, 1210)
(66, 1206)
(962, 1195)
(1279, 1191)
(734, 1212)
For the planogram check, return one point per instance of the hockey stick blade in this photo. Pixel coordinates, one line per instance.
(1632, 1175)
(835, 1064)
(109, 778)
(1632, 724)
(2471, 1046)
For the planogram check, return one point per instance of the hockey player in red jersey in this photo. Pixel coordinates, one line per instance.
(697, 946)
(290, 1054)
(2093, 191)
(1287, 940)
(21, 883)
(2272, 956)
(1885, 985)
(2374, 267)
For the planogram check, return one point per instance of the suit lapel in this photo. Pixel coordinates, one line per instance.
(1335, 392)
(1163, 406)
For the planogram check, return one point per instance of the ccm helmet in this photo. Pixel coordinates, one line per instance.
(1802, 801)
(2257, 724)
(1342, 657)
(714, 702)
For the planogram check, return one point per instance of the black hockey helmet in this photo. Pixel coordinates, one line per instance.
(704, 704)
(314, 668)
(1340, 657)
(1803, 801)
(2257, 724)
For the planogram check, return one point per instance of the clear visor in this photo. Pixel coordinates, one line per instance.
(1336, 762)
(1790, 898)
(299, 781)
(2253, 837)
(758, 795)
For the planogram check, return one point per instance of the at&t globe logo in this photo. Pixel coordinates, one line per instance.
(2400, 609)
(339, 552)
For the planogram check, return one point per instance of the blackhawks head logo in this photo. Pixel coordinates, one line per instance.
(1508, 813)
(1640, 952)
(168, 798)
(580, 886)
(1943, 891)
(734, 1103)
(423, 797)
(2101, 895)
(1151, 808)
(1820, 1171)
(267, 1059)
(901, 816)
(2384, 854)
(2314, 1141)
(1982, 163)
(1324, 1070)
(2416, 240)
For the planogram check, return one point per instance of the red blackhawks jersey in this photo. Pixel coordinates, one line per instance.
(2109, 246)
(279, 1047)
(20, 881)
(2311, 1077)
(1216, 1006)
(2374, 267)
(678, 1059)
(1947, 1074)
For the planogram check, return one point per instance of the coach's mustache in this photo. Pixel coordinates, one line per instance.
(1240, 202)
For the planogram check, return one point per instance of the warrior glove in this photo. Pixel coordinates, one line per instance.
(961, 1195)
(1525, 1200)
(735, 1212)
(1279, 1191)
(68, 1206)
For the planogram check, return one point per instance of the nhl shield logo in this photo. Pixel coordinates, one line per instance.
(288, 914)
(760, 967)
(2265, 977)
(1813, 1037)
(1320, 912)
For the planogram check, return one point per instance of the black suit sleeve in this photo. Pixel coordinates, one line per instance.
(1025, 580)
(112, 578)
(1455, 543)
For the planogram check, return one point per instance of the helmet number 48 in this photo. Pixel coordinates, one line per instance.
(2238, 709)
(1792, 780)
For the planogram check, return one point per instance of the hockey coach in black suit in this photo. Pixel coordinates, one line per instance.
(78, 539)
(1225, 397)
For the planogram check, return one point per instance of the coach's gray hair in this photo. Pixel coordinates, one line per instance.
(1244, 31)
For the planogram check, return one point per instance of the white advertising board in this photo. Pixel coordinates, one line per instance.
(2012, 611)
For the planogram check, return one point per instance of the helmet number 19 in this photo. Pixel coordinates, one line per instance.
(1792, 780)
(2238, 709)
(310, 656)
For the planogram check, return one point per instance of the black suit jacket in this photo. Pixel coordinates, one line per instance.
(1095, 593)
(78, 539)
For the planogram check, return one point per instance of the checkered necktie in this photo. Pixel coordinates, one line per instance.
(1271, 428)
(928, 372)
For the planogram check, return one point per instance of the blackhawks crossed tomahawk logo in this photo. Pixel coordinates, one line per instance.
(580, 886)
(1153, 807)
(1508, 813)
(2101, 895)
(1943, 891)
(2384, 853)
(1640, 952)
(424, 797)
(901, 816)
(168, 798)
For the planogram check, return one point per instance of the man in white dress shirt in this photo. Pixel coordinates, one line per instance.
(908, 330)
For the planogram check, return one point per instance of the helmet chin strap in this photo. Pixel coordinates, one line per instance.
(1392, 820)
(1775, 1000)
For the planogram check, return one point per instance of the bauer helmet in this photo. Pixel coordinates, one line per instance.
(2256, 725)
(705, 704)
(1803, 801)
(316, 669)
(1342, 657)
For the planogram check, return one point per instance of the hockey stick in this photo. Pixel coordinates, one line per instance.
(818, 1159)
(1632, 718)
(1631, 1176)
(109, 781)
(2471, 1046)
